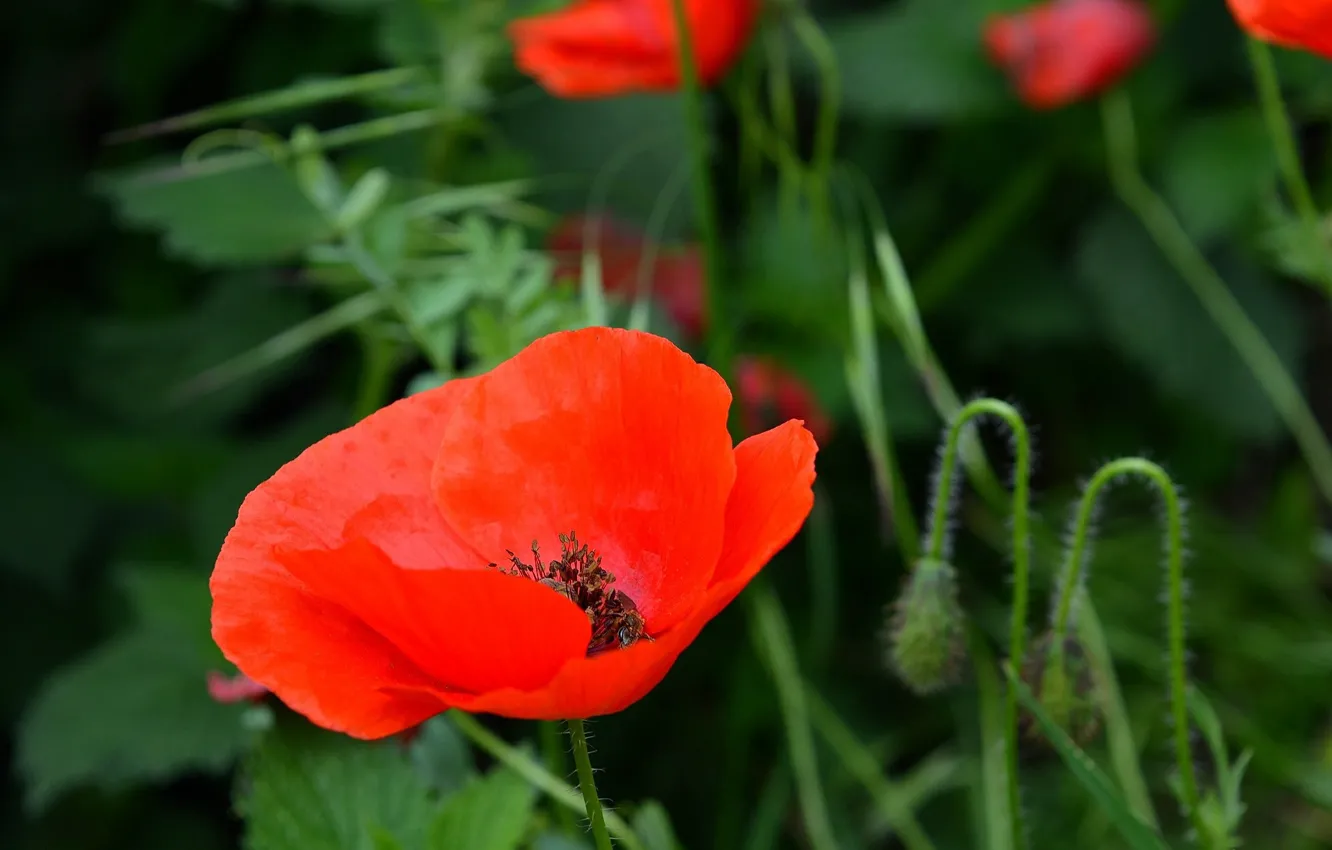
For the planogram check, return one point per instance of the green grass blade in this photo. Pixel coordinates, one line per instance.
(293, 340)
(297, 96)
(772, 640)
(994, 770)
(889, 797)
(1138, 834)
(1119, 737)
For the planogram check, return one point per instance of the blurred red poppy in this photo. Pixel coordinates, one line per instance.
(360, 583)
(674, 275)
(239, 688)
(1062, 51)
(770, 393)
(597, 48)
(1303, 24)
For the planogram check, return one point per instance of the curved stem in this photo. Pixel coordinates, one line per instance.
(830, 98)
(1070, 582)
(588, 785)
(1248, 340)
(705, 200)
(1287, 154)
(1021, 561)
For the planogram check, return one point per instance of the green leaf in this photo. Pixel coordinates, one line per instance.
(653, 825)
(239, 216)
(909, 61)
(492, 813)
(312, 790)
(556, 841)
(441, 755)
(1216, 170)
(1155, 320)
(173, 602)
(134, 710)
(1138, 834)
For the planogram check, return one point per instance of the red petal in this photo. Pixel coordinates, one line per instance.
(1303, 24)
(368, 482)
(471, 630)
(770, 501)
(615, 435)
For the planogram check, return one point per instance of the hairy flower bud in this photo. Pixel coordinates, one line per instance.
(926, 645)
(1063, 683)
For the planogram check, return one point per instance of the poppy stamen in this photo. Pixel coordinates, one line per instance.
(579, 576)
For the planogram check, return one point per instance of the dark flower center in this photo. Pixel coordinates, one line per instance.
(580, 577)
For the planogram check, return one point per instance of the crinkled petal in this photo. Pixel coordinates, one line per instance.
(615, 435)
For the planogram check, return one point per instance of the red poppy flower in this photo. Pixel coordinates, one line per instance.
(674, 276)
(239, 688)
(596, 48)
(768, 392)
(359, 582)
(1066, 50)
(1303, 24)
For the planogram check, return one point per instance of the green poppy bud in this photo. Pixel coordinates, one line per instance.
(926, 644)
(1063, 682)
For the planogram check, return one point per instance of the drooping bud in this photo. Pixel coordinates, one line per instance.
(1062, 681)
(926, 644)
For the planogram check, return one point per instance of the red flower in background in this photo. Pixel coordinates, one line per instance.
(596, 48)
(769, 393)
(239, 688)
(360, 583)
(1304, 24)
(1062, 51)
(674, 275)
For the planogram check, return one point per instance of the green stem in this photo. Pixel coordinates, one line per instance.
(705, 200)
(588, 784)
(830, 98)
(1070, 587)
(1021, 562)
(393, 295)
(523, 764)
(1211, 290)
(1288, 156)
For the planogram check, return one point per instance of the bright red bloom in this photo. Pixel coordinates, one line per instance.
(1062, 51)
(674, 275)
(239, 688)
(1304, 24)
(358, 582)
(768, 393)
(597, 48)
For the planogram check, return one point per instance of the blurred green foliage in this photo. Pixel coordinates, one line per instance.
(175, 329)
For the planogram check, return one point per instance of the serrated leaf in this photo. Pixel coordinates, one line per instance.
(491, 813)
(907, 60)
(240, 216)
(441, 755)
(134, 710)
(1216, 170)
(1138, 834)
(1157, 322)
(308, 789)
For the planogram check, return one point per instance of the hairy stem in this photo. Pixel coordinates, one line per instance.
(1070, 586)
(1021, 562)
(588, 785)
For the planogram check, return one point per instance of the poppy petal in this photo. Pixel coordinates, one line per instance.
(615, 435)
(471, 630)
(314, 656)
(371, 482)
(772, 497)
